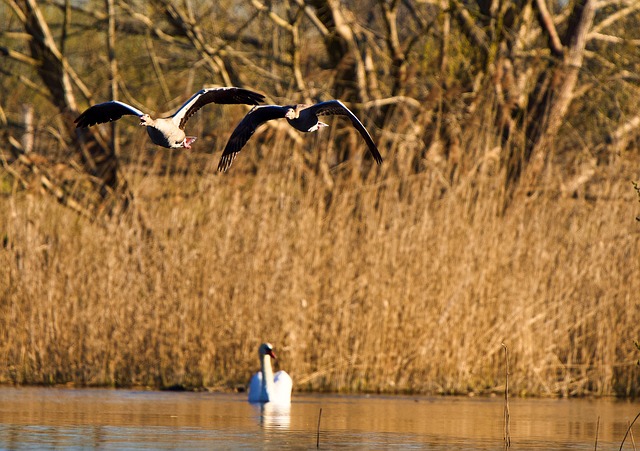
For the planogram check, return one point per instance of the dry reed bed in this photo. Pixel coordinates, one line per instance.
(387, 284)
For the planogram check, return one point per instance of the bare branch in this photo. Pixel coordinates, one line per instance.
(324, 31)
(3, 117)
(146, 21)
(36, 25)
(612, 39)
(42, 175)
(583, 19)
(193, 33)
(444, 40)
(546, 22)
(20, 14)
(17, 56)
(423, 23)
(276, 19)
(625, 132)
(295, 52)
(390, 15)
(156, 68)
(74, 6)
(396, 100)
(343, 30)
(613, 18)
(113, 69)
(30, 84)
(65, 25)
(557, 93)
(475, 34)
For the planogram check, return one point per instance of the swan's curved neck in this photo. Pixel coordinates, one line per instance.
(267, 378)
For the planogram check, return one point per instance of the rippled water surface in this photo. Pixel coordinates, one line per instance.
(50, 418)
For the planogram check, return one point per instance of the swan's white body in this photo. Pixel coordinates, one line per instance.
(266, 386)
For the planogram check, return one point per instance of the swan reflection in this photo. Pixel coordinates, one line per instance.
(274, 416)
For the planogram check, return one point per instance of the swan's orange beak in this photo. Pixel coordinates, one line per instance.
(272, 355)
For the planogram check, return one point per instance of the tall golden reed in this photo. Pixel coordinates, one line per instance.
(393, 282)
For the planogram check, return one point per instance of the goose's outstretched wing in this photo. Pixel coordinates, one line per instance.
(246, 128)
(229, 95)
(337, 108)
(105, 112)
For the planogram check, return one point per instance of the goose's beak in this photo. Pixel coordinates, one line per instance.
(272, 355)
(188, 141)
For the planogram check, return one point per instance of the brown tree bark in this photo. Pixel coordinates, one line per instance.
(59, 79)
(553, 93)
(343, 50)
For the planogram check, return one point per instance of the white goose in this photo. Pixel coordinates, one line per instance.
(266, 386)
(168, 132)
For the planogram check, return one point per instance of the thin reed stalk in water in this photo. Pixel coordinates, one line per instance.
(318, 430)
(507, 417)
(628, 432)
(597, 430)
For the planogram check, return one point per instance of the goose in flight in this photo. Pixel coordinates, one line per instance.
(266, 386)
(300, 117)
(169, 131)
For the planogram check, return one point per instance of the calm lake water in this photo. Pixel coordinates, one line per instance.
(51, 418)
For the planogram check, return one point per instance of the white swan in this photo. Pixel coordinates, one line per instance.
(266, 386)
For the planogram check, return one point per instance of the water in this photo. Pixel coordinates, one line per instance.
(49, 418)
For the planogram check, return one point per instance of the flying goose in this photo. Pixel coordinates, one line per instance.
(301, 117)
(266, 386)
(169, 131)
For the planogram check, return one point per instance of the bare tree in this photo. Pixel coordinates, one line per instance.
(426, 71)
(59, 79)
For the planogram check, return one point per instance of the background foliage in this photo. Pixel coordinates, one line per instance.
(504, 210)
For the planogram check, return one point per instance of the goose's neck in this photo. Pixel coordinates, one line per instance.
(267, 377)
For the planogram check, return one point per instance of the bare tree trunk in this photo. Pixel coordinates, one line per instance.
(113, 69)
(295, 53)
(444, 40)
(59, 78)
(540, 112)
(398, 65)
(343, 51)
(554, 93)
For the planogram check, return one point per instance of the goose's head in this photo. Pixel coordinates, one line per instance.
(145, 120)
(266, 349)
(291, 113)
(188, 140)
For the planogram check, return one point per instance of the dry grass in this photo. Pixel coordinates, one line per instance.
(394, 283)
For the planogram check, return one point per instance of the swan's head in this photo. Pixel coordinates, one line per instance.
(145, 120)
(266, 349)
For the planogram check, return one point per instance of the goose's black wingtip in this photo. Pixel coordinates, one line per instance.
(80, 122)
(225, 162)
(257, 98)
(376, 155)
(246, 96)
